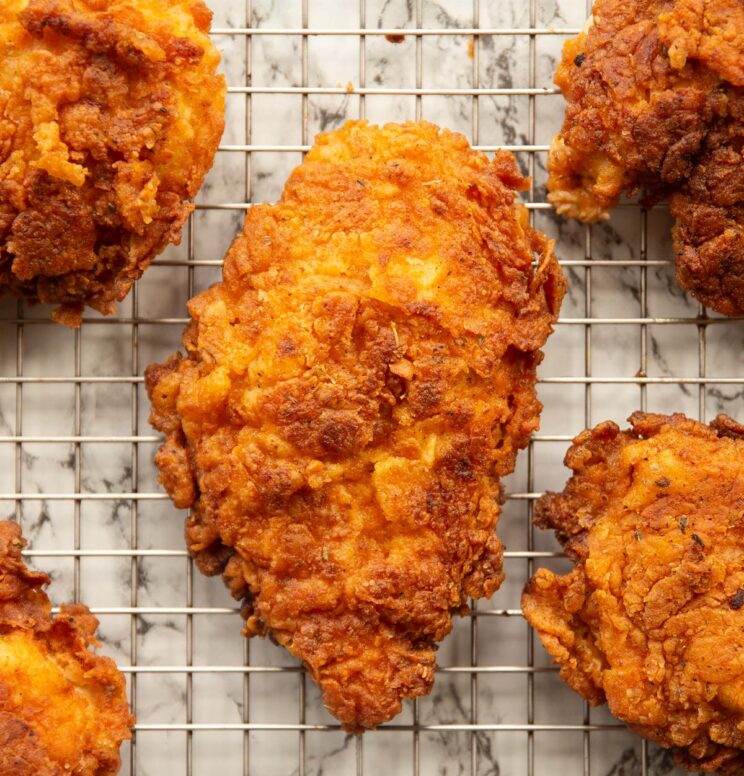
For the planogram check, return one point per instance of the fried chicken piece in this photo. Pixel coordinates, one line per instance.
(351, 394)
(110, 116)
(650, 619)
(63, 709)
(655, 102)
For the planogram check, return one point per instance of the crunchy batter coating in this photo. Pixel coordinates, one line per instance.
(655, 102)
(63, 709)
(352, 393)
(110, 116)
(651, 619)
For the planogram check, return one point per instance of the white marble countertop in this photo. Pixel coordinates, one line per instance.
(159, 614)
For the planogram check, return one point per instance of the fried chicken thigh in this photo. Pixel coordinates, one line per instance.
(650, 619)
(63, 709)
(656, 102)
(110, 116)
(351, 393)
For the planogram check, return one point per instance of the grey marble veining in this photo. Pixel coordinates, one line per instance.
(113, 469)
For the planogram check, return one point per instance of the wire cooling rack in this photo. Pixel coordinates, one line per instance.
(76, 448)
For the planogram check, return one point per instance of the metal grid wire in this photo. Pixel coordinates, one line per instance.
(81, 439)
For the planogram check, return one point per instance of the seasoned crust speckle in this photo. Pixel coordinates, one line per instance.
(110, 116)
(63, 709)
(655, 93)
(351, 394)
(650, 619)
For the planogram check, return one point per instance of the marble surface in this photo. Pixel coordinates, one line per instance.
(107, 520)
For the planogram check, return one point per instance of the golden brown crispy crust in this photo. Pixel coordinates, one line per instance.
(110, 116)
(350, 396)
(651, 618)
(63, 709)
(656, 102)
